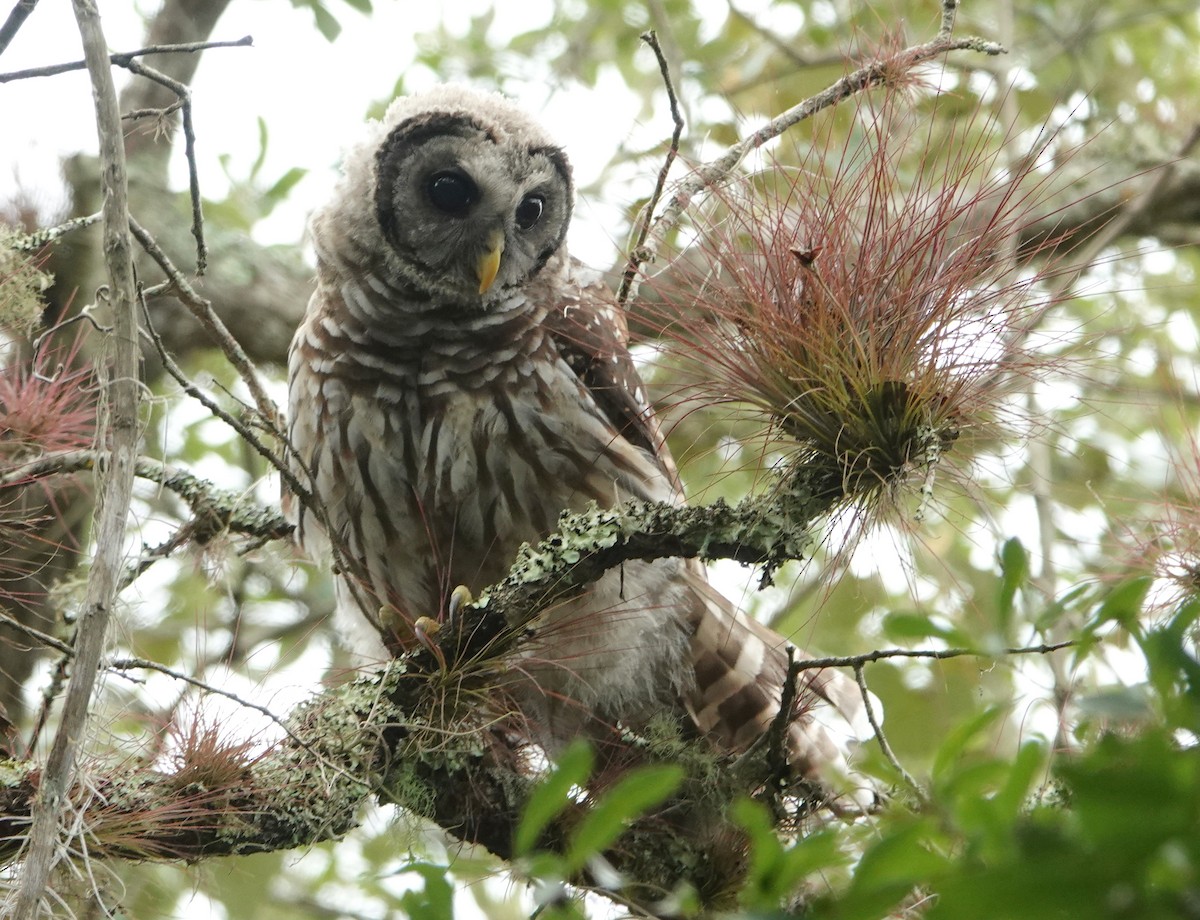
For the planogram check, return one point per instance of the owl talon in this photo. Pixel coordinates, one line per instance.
(460, 598)
(427, 626)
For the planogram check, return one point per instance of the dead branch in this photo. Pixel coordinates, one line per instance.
(117, 485)
(636, 254)
(120, 59)
(202, 310)
(875, 73)
(16, 19)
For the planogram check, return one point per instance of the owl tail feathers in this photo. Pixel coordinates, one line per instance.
(740, 667)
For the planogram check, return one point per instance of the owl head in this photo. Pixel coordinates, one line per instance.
(468, 195)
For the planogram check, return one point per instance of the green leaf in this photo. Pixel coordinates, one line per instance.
(363, 6)
(1055, 610)
(1174, 670)
(1022, 772)
(552, 794)
(635, 794)
(1124, 603)
(1014, 572)
(900, 627)
(436, 901)
(891, 868)
(776, 872)
(283, 185)
(262, 149)
(960, 738)
(326, 22)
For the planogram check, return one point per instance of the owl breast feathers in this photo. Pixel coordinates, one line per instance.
(459, 381)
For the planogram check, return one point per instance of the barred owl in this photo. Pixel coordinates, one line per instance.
(458, 381)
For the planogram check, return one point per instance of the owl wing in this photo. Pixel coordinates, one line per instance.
(740, 664)
(589, 330)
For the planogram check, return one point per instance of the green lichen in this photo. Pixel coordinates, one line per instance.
(406, 788)
(22, 286)
(14, 772)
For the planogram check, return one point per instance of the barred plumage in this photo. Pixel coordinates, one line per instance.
(458, 382)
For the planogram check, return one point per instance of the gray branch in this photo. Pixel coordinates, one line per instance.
(116, 491)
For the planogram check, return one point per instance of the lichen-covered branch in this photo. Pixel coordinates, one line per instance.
(767, 530)
(370, 736)
(376, 736)
(224, 799)
(216, 510)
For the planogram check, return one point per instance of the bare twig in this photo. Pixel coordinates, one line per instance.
(861, 679)
(16, 19)
(36, 634)
(245, 431)
(85, 315)
(144, 664)
(638, 254)
(875, 73)
(129, 664)
(184, 95)
(855, 661)
(50, 692)
(202, 310)
(777, 733)
(152, 113)
(122, 59)
(117, 486)
(134, 570)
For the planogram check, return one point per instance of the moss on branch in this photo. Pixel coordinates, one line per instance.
(368, 737)
(767, 529)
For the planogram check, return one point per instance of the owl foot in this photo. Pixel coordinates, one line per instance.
(460, 598)
(427, 626)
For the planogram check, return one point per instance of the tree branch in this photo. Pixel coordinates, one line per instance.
(122, 58)
(117, 487)
(884, 746)
(362, 738)
(636, 254)
(184, 98)
(202, 310)
(16, 19)
(875, 73)
(767, 530)
(216, 510)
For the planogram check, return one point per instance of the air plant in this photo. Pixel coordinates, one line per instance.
(872, 303)
(47, 407)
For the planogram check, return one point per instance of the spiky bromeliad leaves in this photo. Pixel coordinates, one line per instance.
(866, 304)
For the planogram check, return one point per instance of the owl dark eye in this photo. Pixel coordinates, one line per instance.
(452, 192)
(529, 211)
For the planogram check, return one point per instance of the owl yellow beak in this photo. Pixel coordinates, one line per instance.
(489, 264)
